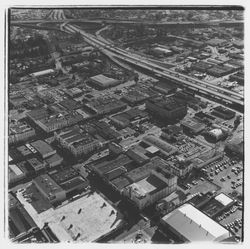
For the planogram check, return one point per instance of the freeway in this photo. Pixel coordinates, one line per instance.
(202, 86)
(60, 18)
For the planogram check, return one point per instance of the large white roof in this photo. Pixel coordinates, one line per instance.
(194, 225)
(223, 199)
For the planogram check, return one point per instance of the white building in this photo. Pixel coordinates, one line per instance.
(190, 225)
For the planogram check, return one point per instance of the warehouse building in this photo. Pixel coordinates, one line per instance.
(190, 225)
(103, 81)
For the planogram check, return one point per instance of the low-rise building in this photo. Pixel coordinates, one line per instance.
(20, 131)
(77, 142)
(49, 189)
(166, 108)
(36, 164)
(192, 126)
(190, 225)
(105, 105)
(44, 149)
(103, 81)
(133, 116)
(147, 191)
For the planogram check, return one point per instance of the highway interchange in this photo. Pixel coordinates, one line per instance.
(180, 79)
(200, 87)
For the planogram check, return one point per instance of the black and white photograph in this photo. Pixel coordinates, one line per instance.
(125, 124)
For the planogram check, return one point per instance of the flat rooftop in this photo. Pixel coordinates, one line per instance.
(91, 223)
(42, 147)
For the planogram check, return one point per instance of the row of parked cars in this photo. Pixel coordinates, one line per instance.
(237, 169)
(234, 226)
(218, 166)
(237, 183)
(225, 214)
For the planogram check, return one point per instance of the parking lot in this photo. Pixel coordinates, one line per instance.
(199, 185)
(232, 220)
(225, 173)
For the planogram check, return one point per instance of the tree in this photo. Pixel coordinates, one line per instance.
(136, 78)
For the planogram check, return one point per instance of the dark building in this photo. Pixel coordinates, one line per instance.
(166, 108)
(223, 112)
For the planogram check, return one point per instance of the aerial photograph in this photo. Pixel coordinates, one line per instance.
(125, 124)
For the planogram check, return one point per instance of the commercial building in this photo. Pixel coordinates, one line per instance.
(49, 189)
(43, 73)
(219, 71)
(147, 191)
(216, 205)
(20, 131)
(166, 108)
(104, 130)
(36, 164)
(180, 167)
(239, 77)
(74, 92)
(15, 174)
(164, 147)
(105, 105)
(53, 161)
(109, 170)
(17, 100)
(82, 220)
(103, 81)
(190, 225)
(192, 126)
(69, 180)
(77, 142)
(134, 97)
(165, 87)
(20, 222)
(132, 116)
(50, 122)
(43, 149)
(201, 66)
(75, 185)
(223, 112)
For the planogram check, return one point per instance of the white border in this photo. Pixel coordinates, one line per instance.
(66, 3)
